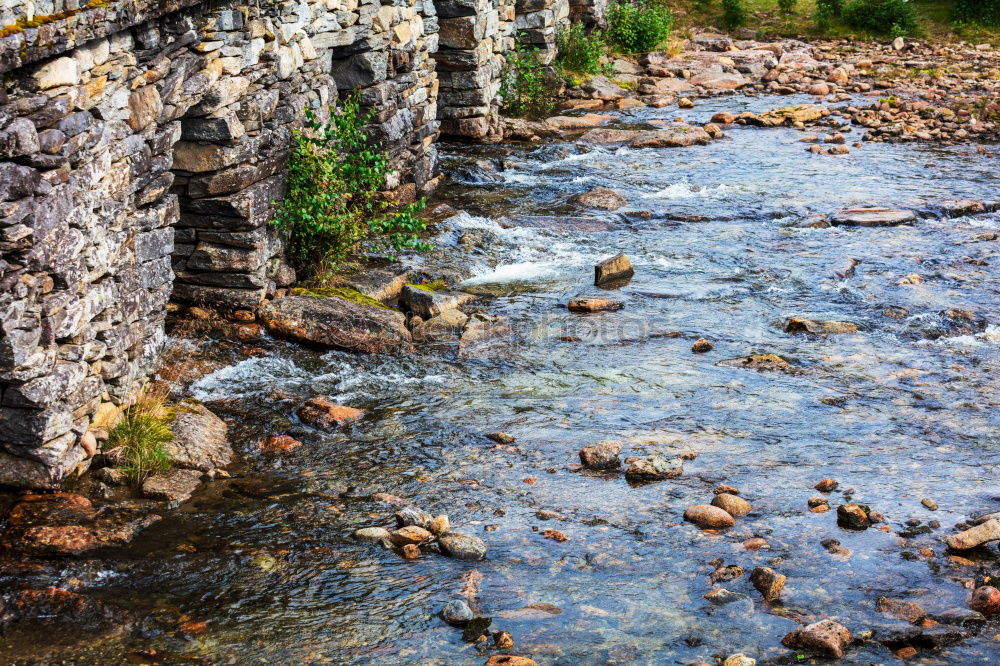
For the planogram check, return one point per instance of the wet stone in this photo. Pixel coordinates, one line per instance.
(200, 440)
(976, 536)
(705, 515)
(900, 610)
(654, 468)
(986, 600)
(462, 546)
(457, 613)
(732, 504)
(701, 346)
(173, 487)
(580, 304)
(372, 534)
(603, 455)
(941, 636)
(962, 617)
(825, 638)
(853, 517)
(613, 271)
(322, 413)
(768, 582)
(872, 217)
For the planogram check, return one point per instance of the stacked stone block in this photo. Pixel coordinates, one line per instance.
(157, 149)
(537, 23)
(474, 35)
(590, 13)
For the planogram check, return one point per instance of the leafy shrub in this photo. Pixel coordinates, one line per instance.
(580, 52)
(787, 6)
(886, 17)
(977, 11)
(137, 441)
(333, 205)
(826, 12)
(524, 89)
(733, 13)
(638, 27)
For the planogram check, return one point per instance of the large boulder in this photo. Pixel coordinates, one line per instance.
(337, 322)
(825, 638)
(200, 440)
(789, 115)
(670, 135)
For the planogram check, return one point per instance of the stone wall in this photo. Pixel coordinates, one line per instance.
(537, 23)
(145, 140)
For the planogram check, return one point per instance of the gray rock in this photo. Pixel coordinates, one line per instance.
(976, 536)
(654, 468)
(872, 217)
(428, 303)
(372, 534)
(457, 613)
(334, 322)
(462, 546)
(412, 516)
(200, 440)
(603, 455)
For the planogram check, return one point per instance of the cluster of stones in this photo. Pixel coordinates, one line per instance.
(157, 149)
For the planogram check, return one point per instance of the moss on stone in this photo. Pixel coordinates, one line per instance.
(343, 293)
(436, 286)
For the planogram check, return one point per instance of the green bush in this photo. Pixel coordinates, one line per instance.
(986, 12)
(524, 89)
(787, 6)
(580, 52)
(334, 206)
(638, 27)
(733, 13)
(887, 17)
(826, 12)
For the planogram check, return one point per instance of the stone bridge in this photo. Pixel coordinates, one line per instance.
(142, 143)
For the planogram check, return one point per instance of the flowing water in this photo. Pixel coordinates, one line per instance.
(903, 410)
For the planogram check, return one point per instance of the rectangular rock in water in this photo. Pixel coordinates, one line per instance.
(616, 269)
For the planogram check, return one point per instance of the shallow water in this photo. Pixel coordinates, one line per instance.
(903, 410)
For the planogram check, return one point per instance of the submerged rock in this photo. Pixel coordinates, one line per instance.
(372, 534)
(80, 618)
(67, 524)
(174, 487)
(335, 322)
(824, 638)
(762, 363)
(654, 468)
(278, 444)
(599, 197)
(900, 610)
(603, 455)
(462, 546)
(321, 413)
(200, 440)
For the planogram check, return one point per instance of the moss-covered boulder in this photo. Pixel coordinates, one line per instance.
(334, 321)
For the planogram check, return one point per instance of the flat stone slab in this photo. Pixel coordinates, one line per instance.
(671, 135)
(381, 284)
(200, 440)
(872, 217)
(429, 303)
(334, 322)
(173, 487)
(788, 115)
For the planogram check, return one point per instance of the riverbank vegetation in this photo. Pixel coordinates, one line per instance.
(138, 441)
(937, 20)
(335, 205)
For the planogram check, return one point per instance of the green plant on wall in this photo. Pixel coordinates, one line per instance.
(334, 206)
(580, 52)
(526, 94)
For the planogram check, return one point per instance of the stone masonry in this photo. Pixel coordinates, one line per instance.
(143, 145)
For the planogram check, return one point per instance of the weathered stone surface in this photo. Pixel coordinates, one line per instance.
(599, 197)
(322, 413)
(615, 269)
(429, 303)
(593, 305)
(825, 638)
(462, 546)
(790, 115)
(768, 582)
(67, 524)
(976, 536)
(801, 325)
(872, 217)
(654, 468)
(173, 487)
(333, 322)
(603, 455)
(200, 440)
